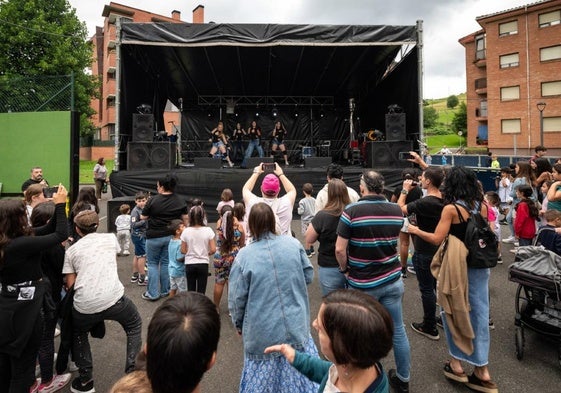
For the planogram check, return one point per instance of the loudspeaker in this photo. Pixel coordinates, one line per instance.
(142, 127)
(386, 154)
(252, 162)
(395, 127)
(150, 155)
(207, 162)
(317, 162)
(113, 212)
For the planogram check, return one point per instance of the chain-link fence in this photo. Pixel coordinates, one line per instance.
(35, 93)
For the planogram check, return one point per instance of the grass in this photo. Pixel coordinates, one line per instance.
(86, 170)
(437, 141)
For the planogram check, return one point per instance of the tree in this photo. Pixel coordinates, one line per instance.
(429, 116)
(459, 122)
(46, 38)
(452, 102)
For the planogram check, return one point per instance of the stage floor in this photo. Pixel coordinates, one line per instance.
(207, 184)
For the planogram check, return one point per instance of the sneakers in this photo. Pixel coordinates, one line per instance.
(142, 281)
(134, 277)
(491, 324)
(79, 387)
(309, 253)
(396, 383)
(403, 272)
(126, 253)
(422, 330)
(439, 322)
(33, 388)
(509, 240)
(411, 270)
(500, 259)
(56, 384)
(146, 297)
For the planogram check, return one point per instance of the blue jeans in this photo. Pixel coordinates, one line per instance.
(427, 284)
(478, 295)
(391, 297)
(157, 258)
(525, 242)
(510, 219)
(253, 144)
(330, 279)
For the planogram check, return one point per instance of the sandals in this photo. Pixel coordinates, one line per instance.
(454, 376)
(474, 383)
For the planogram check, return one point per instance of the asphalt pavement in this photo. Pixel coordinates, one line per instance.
(538, 371)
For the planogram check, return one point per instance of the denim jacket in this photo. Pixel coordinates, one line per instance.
(268, 295)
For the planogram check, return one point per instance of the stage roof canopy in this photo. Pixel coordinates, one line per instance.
(275, 63)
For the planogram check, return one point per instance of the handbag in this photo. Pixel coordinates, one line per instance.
(104, 188)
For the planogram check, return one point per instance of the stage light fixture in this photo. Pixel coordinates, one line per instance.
(275, 112)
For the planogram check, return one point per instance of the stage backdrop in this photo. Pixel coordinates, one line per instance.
(34, 139)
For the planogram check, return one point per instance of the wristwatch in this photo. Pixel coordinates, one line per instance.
(404, 192)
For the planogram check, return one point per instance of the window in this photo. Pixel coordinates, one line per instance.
(510, 93)
(511, 60)
(550, 53)
(481, 83)
(508, 28)
(551, 88)
(552, 124)
(549, 19)
(510, 126)
(480, 47)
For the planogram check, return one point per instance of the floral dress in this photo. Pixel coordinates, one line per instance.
(223, 262)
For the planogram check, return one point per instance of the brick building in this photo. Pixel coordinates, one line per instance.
(513, 73)
(104, 66)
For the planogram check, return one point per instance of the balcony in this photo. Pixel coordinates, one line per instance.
(480, 58)
(481, 86)
(481, 114)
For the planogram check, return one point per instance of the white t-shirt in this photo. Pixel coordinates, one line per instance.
(321, 198)
(94, 260)
(282, 207)
(197, 239)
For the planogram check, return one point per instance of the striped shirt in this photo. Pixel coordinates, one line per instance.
(372, 226)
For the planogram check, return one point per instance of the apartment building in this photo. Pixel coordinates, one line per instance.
(105, 61)
(513, 75)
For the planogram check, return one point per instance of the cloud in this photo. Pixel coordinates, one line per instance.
(444, 21)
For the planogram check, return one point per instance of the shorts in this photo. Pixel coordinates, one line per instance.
(405, 227)
(178, 283)
(139, 245)
(304, 227)
(218, 144)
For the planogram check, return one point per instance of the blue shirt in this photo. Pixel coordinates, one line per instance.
(175, 268)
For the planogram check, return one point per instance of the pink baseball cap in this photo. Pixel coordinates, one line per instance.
(270, 185)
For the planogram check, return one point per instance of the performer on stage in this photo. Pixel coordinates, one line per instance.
(237, 141)
(219, 142)
(278, 141)
(254, 133)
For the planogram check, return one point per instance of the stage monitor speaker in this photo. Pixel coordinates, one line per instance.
(317, 162)
(386, 154)
(208, 162)
(395, 127)
(142, 127)
(150, 155)
(252, 162)
(113, 212)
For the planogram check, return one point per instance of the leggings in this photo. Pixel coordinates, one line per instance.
(197, 276)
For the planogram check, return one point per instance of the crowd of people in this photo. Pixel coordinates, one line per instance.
(264, 272)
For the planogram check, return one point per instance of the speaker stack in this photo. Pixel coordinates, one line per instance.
(150, 155)
(386, 153)
(142, 127)
(113, 212)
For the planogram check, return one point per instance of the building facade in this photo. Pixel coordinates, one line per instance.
(104, 66)
(513, 74)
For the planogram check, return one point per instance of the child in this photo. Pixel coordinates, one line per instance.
(526, 216)
(544, 188)
(307, 209)
(176, 267)
(197, 243)
(138, 237)
(495, 162)
(504, 187)
(547, 236)
(226, 198)
(493, 203)
(239, 213)
(123, 224)
(229, 239)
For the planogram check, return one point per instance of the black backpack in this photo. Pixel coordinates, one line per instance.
(480, 240)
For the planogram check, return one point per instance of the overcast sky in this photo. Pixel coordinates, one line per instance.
(445, 21)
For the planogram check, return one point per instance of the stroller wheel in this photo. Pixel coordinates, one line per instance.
(519, 341)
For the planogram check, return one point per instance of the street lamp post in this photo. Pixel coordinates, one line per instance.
(541, 107)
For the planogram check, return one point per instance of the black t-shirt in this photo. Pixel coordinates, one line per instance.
(325, 225)
(414, 194)
(161, 209)
(427, 211)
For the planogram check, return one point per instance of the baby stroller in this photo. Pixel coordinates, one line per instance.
(538, 297)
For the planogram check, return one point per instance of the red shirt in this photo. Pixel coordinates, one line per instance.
(524, 225)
